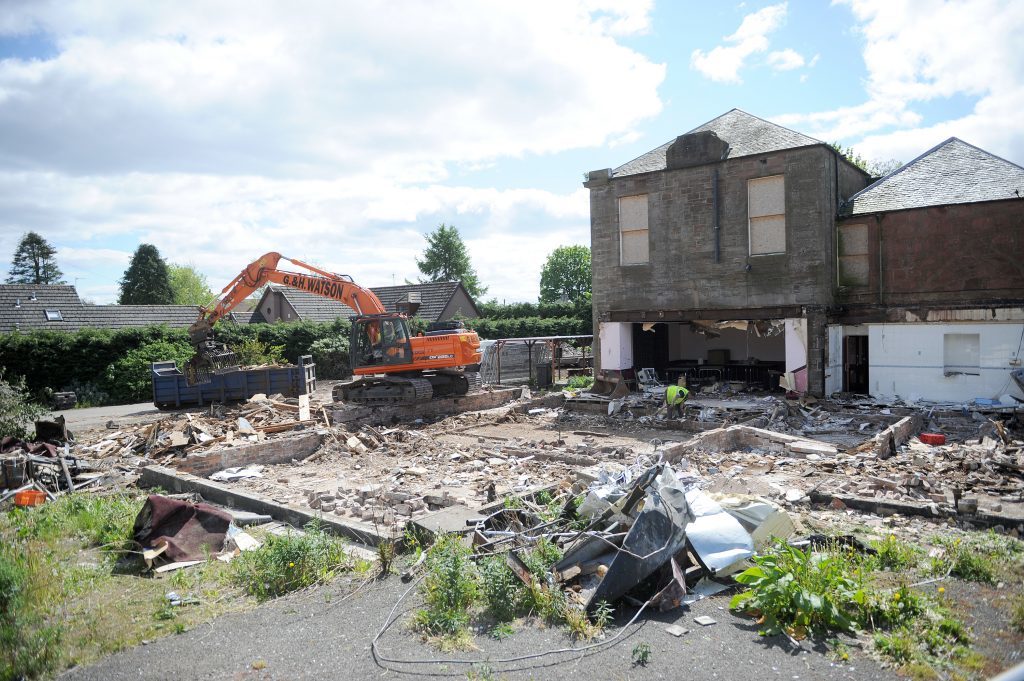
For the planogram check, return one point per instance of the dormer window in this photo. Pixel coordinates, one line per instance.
(54, 316)
(17, 302)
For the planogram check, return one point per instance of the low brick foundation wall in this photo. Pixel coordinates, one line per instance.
(385, 416)
(278, 450)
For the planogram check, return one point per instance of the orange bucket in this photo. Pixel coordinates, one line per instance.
(29, 497)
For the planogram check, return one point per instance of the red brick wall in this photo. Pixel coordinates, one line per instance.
(944, 254)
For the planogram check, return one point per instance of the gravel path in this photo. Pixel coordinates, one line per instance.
(322, 634)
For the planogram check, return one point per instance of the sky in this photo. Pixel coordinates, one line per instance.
(342, 132)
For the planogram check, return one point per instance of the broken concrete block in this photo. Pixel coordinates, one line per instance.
(677, 630)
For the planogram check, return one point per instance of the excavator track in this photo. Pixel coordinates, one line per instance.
(376, 391)
(474, 381)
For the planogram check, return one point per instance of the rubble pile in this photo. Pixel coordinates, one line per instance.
(388, 476)
(219, 427)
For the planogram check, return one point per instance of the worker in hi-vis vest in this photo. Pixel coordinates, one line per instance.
(675, 395)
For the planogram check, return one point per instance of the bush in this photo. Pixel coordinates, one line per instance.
(129, 379)
(254, 352)
(16, 410)
(331, 357)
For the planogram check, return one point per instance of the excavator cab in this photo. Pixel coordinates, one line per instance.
(379, 340)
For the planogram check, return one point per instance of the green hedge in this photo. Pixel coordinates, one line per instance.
(87, 360)
(57, 359)
(527, 327)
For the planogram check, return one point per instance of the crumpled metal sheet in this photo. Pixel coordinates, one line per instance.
(657, 534)
(717, 537)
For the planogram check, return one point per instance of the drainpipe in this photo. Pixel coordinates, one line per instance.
(714, 209)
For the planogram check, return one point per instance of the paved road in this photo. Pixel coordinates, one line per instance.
(97, 417)
(322, 635)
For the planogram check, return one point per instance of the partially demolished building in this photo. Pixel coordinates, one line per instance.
(744, 251)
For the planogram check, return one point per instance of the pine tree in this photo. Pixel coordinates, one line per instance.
(147, 280)
(445, 259)
(34, 263)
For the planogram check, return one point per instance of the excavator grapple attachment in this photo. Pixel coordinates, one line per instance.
(211, 358)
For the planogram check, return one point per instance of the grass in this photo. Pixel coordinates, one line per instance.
(1017, 613)
(72, 592)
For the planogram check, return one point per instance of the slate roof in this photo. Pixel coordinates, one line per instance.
(30, 314)
(434, 297)
(746, 134)
(950, 173)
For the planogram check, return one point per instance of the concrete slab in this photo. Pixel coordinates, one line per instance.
(451, 519)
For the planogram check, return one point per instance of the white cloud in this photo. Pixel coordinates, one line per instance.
(263, 88)
(219, 131)
(723, 63)
(923, 51)
(785, 60)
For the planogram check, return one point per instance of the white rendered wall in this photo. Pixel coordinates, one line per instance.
(796, 344)
(906, 360)
(834, 368)
(616, 345)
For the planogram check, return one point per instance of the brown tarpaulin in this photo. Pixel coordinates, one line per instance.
(12, 444)
(191, 531)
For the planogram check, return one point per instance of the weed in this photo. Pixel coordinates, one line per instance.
(179, 628)
(259, 664)
(386, 554)
(602, 614)
(888, 610)
(580, 382)
(449, 588)
(481, 672)
(578, 623)
(895, 554)
(502, 591)
(501, 631)
(28, 646)
(838, 651)
(641, 654)
(797, 591)
(289, 562)
(899, 646)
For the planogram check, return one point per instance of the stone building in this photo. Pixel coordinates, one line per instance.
(719, 255)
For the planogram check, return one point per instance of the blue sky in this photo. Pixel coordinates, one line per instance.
(221, 130)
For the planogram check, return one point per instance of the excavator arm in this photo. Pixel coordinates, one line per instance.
(214, 356)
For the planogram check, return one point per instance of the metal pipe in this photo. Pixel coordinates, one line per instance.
(714, 209)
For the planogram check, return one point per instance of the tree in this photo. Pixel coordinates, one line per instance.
(874, 168)
(146, 281)
(189, 286)
(566, 274)
(445, 259)
(33, 262)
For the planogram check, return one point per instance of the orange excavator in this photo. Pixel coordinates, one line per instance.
(389, 364)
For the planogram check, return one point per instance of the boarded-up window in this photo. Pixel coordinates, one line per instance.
(961, 354)
(766, 210)
(633, 235)
(853, 255)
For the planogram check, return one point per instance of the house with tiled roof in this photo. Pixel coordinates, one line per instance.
(931, 273)
(434, 301)
(744, 251)
(32, 307)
